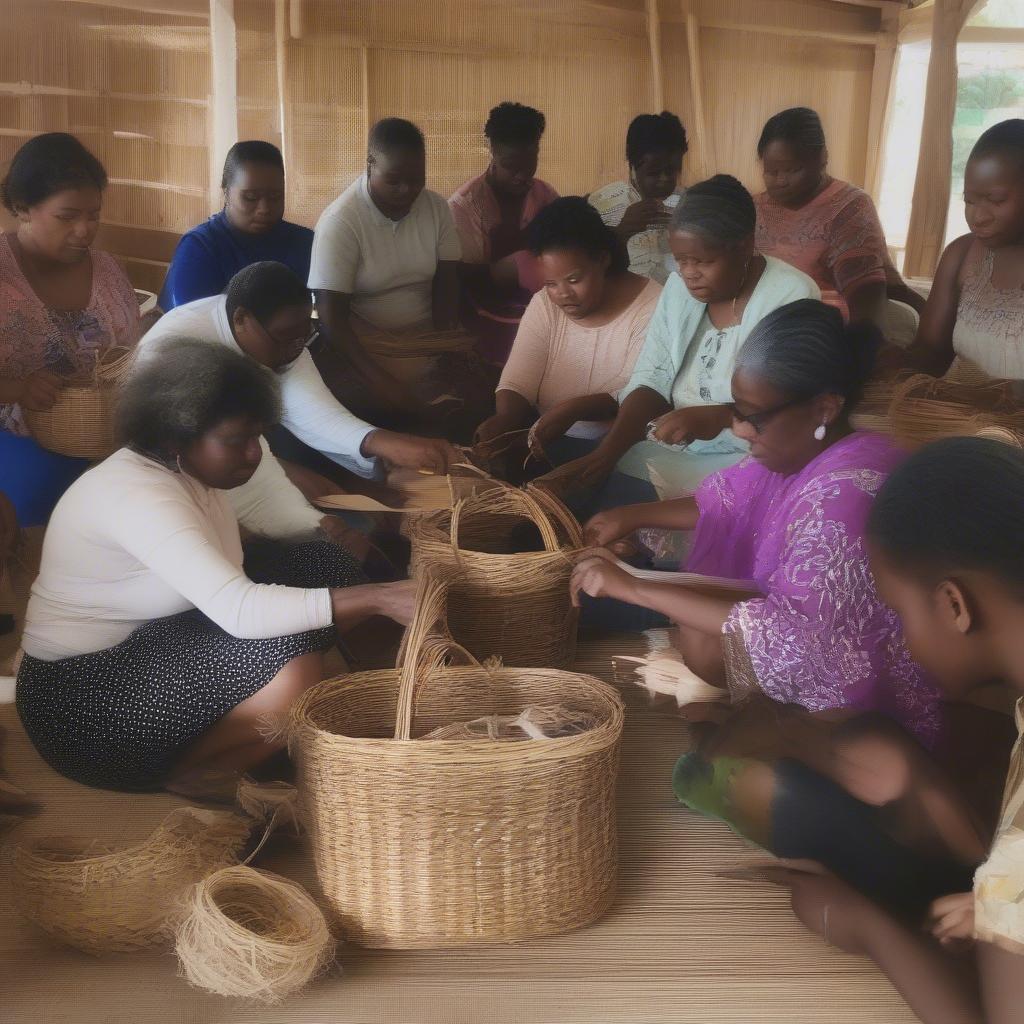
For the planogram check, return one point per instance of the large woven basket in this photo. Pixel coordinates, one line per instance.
(408, 355)
(514, 606)
(81, 421)
(437, 843)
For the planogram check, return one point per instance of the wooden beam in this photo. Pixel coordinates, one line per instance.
(297, 18)
(177, 8)
(707, 146)
(654, 41)
(137, 243)
(879, 106)
(281, 33)
(850, 38)
(223, 128)
(882, 5)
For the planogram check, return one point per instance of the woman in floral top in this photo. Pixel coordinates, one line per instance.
(62, 305)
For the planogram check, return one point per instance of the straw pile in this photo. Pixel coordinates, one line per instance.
(456, 842)
(119, 901)
(504, 603)
(925, 409)
(81, 421)
(252, 935)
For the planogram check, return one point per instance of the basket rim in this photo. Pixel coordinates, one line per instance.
(605, 733)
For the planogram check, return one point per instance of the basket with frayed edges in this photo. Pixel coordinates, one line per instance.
(504, 603)
(119, 901)
(926, 409)
(81, 422)
(435, 843)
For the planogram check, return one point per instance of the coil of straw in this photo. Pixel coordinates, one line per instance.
(926, 409)
(514, 606)
(251, 934)
(119, 901)
(456, 842)
(81, 422)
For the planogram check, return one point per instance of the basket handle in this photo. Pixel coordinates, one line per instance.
(541, 508)
(426, 645)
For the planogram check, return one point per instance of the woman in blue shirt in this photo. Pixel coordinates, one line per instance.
(250, 229)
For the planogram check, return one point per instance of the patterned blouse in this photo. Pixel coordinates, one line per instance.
(820, 636)
(836, 238)
(66, 342)
(989, 331)
(999, 882)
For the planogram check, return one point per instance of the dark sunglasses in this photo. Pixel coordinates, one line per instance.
(759, 420)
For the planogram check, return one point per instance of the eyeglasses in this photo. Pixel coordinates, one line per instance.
(293, 343)
(759, 420)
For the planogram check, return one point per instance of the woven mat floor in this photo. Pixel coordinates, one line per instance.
(679, 944)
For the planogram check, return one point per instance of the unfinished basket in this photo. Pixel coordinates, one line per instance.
(926, 409)
(514, 606)
(433, 843)
(103, 901)
(408, 356)
(81, 421)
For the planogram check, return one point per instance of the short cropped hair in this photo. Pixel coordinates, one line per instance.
(263, 289)
(514, 124)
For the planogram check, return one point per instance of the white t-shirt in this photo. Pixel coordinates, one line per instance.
(131, 541)
(269, 504)
(649, 254)
(387, 266)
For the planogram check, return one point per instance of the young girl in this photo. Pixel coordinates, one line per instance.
(975, 312)
(948, 555)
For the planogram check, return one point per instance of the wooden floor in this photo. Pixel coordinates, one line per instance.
(679, 944)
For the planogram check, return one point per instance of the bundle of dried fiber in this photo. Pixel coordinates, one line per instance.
(251, 934)
(117, 901)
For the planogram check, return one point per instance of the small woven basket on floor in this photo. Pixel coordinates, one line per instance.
(926, 409)
(81, 421)
(513, 606)
(434, 843)
(118, 901)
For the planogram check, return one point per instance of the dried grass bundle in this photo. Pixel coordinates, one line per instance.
(926, 409)
(251, 934)
(510, 604)
(81, 421)
(534, 722)
(664, 673)
(117, 901)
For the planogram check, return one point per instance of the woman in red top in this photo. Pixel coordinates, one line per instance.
(827, 228)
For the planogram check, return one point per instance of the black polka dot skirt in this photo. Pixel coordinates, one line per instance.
(120, 718)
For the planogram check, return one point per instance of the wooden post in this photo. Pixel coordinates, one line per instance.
(930, 205)
(878, 110)
(297, 20)
(654, 41)
(281, 66)
(367, 116)
(223, 110)
(707, 146)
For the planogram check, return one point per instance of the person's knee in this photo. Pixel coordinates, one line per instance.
(874, 760)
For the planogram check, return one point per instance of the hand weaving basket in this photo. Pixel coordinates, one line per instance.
(514, 606)
(436, 843)
(926, 409)
(81, 421)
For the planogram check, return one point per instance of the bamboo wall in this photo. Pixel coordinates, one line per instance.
(136, 86)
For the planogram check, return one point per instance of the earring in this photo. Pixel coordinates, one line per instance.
(819, 433)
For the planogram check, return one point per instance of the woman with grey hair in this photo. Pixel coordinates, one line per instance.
(151, 654)
(789, 520)
(680, 389)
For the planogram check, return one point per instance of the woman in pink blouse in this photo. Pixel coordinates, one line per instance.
(62, 304)
(827, 228)
(579, 338)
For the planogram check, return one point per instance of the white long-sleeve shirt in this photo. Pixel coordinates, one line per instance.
(131, 541)
(268, 504)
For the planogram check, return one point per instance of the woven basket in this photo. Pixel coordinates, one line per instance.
(926, 409)
(512, 606)
(436, 843)
(409, 355)
(81, 421)
(123, 900)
